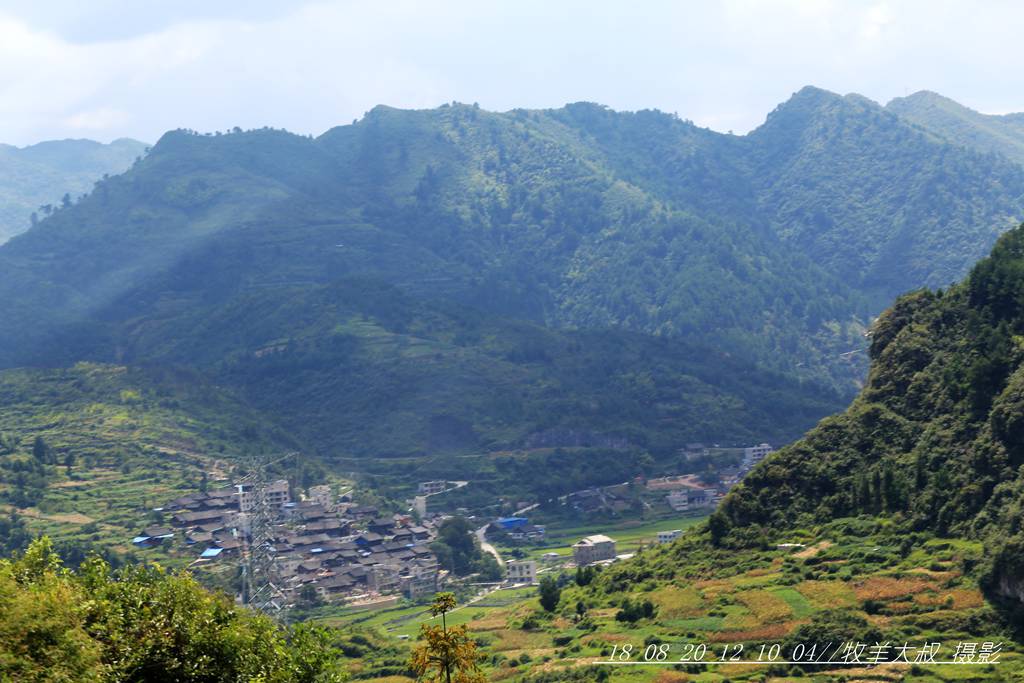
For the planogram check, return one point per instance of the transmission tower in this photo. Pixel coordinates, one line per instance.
(261, 581)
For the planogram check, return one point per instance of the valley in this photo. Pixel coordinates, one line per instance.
(536, 358)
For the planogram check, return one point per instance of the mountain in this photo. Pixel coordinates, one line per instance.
(879, 203)
(358, 369)
(511, 213)
(960, 125)
(935, 440)
(33, 179)
(646, 281)
(898, 521)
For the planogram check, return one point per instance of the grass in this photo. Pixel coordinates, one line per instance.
(712, 601)
(405, 619)
(797, 603)
(629, 536)
(138, 438)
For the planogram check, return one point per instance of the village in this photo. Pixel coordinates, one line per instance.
(329, 546)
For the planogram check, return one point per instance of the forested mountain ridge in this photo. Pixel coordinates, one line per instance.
(935, 439)
(261, 256)
(544, 234)
(993, 133)
(883, 205)
(898, 520)
(574, 217)
(33, 179)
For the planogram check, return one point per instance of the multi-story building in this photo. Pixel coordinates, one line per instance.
(679, 500)
(419, 504)
(321, 495)
(682, 500)
(522, 571)
(755, 454)
(276, 494)
(426, 488)
(384, 578)
(669, 536)
(593, 549)
(420, 581)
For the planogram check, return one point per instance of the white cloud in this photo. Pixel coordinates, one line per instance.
(319, 64)
(103, 119)
(876, 19)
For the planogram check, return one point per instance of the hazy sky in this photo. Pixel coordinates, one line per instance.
(111, 68)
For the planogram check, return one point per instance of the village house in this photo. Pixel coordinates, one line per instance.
(522, 571)
(593, 549)
(755, 454)
(315, 543)
(528, 532)
(275, 494)
(682, 500)
(669, 536)
(321, 495)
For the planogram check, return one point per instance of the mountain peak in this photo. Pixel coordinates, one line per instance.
(813, 92)
(925, 99)
(809, 105)
(953, 122)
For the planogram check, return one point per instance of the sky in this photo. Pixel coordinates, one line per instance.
(106, 69)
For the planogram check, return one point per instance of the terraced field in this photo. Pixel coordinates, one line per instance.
(898, 595)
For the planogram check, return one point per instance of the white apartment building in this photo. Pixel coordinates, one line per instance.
(755, 454)
(522, 571)
(427, 488)
(275, 494)
(669, 536)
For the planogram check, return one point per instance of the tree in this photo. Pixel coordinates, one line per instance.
(488, 568)
(8, 444)
(635, 611)
(69, 462)
(718, 525)
(455, 546)
(87, 625)
(445, 655)
(550, 593)
(308, 597)
(14, 535)
(40, 451)
(585, 575)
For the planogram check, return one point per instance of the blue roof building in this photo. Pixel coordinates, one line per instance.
(509, 523)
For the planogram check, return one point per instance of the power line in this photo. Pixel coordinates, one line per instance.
(262, 587)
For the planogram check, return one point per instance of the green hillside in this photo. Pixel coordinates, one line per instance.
(896, 522)
(116, 442)
(497, 211)
(33, 179)
(771, 246)
(360, 369)
(934, 438)
(960, 125)
(881, 204)
(646, 282)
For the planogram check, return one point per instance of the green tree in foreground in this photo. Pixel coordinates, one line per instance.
(141, 624)
(445, 655)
